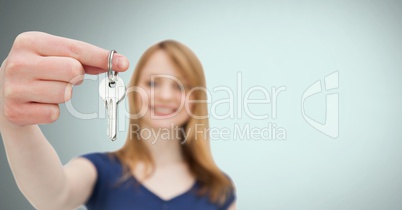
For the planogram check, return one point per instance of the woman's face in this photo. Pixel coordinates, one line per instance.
(163, 99)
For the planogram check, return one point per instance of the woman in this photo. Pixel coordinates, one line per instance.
(171, 170)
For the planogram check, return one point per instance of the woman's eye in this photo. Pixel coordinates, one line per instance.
(179, 87)
(151, 84)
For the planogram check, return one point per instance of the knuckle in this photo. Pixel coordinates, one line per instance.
(9, 91)
(24, 39)
(11, 112)
(13, 66)
(75, 50)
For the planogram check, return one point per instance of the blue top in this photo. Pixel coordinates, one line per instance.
(131, 194)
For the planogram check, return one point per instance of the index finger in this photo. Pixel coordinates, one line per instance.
(87, 54)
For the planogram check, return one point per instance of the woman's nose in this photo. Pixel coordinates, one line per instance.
(165, 92)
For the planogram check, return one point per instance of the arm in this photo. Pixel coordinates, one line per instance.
(37, 75)
(39, 174)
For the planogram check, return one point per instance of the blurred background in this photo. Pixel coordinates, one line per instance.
(327, 74)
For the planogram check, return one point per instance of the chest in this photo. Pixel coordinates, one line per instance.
(168, 188)
(167, 182)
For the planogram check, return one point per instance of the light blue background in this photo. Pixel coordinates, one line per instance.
(272, 44)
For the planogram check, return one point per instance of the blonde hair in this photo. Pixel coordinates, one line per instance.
(196, 149)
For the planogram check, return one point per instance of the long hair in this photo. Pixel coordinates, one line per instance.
(196, 149)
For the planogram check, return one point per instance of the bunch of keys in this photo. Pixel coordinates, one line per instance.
(112, 90)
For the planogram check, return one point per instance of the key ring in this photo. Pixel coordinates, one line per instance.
(112, 76)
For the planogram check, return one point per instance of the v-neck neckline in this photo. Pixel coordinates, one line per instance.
(158, 197)
(193, 186)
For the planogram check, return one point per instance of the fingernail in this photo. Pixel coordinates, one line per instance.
(122, 63)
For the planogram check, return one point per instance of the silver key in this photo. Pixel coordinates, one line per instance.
(112, 90)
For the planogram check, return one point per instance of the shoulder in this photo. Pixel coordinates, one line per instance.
(100, 157)
(102, 160)
(97, 156)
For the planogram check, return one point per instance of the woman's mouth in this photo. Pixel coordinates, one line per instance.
(162, 111)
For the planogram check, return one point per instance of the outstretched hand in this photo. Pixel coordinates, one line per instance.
(39, 73)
